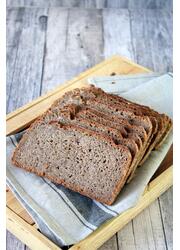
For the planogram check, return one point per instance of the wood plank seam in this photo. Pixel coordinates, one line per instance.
(162, 224)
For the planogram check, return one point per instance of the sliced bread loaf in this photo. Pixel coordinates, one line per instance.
(77, 158)
(84, 97)
(69, 114)
(162, 119)
(92, 96)
(133, 131)
(164, 122)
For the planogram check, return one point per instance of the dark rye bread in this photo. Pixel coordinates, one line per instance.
(98, 117)
(124, 113)
(77, 98)
(85, 96)
(136, 132)
(70, 112)
(128, 114)
(92, 95)
(118, 122)
(163, 120)
(77, 158)
(162, 124)
(169, 129)
(123, 126)
(160, 121)
(165, 134)
(137, 119)
(91, 92)
(67, 115)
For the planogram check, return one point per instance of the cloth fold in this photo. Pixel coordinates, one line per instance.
(67, 217)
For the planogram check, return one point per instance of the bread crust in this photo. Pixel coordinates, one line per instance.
(118, 186)
(156, 129)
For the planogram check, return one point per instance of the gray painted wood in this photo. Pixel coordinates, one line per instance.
(14, 25)
(12, 243)
(55, 48)
(166, 209)
(145, 4)
(74, 43)
(110, 244)
(126, 238)
(148, 229)
(152, 38)
(25, 76)
(46, 46)
(117, 33)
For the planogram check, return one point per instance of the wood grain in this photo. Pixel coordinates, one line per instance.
(80, 33)
(117, 39)
(31, 236)
(13, 242)
(152, 37)
(126, 238)
(35, 240)
(15, 205)
(23, 116)
(166, 209)
(100, 236)
(110, 244)
(27, 69)
(148, 229)
(146, 4)
(14, 28)
(55, 28)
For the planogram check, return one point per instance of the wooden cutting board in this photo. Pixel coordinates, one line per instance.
(18, 220)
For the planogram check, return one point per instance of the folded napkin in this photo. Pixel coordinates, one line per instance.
(67, 217)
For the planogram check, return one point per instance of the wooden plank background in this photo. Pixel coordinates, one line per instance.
(145, 4)
(48, 45)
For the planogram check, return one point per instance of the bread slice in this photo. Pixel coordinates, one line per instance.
(124, 113)
(91, 92)
(100, 117)
(81, 114)
(69, 115)
(77, 158)
(161, 123)
(127, 130)
(66, 115)
(134, 132)
(131, 131)
(87, 97)
(165, 134)
(162, 119)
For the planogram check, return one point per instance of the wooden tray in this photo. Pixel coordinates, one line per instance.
(18, 220)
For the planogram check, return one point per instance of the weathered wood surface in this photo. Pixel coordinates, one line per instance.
(46, 46)
(146, 4)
